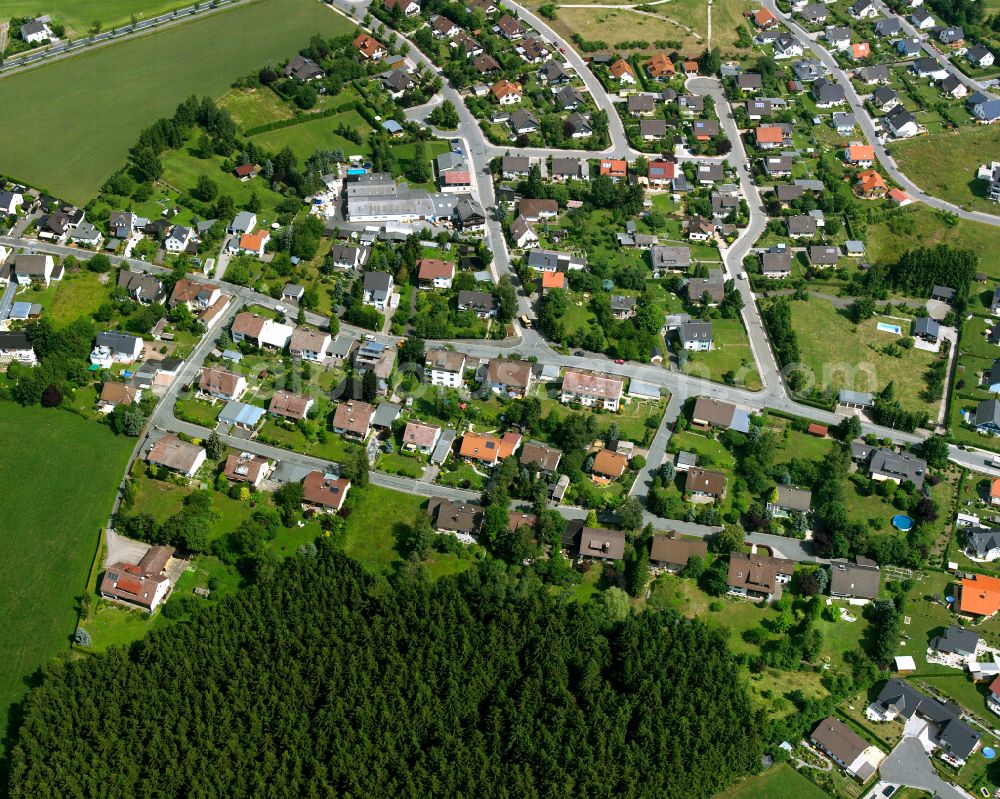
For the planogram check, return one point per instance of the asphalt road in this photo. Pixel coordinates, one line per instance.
(908, 764)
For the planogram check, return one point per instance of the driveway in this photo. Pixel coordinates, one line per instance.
(908, 764)
(122, 549)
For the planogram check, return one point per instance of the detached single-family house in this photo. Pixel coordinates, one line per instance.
(898, 467)
(901, 123)
(776, 264)
(787, 499)
(324, 492)
(608, 466)
(30, 269)
(378, 289)
(115, 347)
(36, 31)
(221, 384)
(983, 543)
(827, 94)
(801, 226)
(623, 72)
(368, 48)
(245, 467)
(261, 331)
(434, 273)
(704, 485)
(696, 336)
(506, 92)
(289, 405)
(169, 452)
(979, 56)
(847, 749)
(353, 419)
(858, 581)
(140, 287)
(481, 303)
(591, 390)
(922, 20)
(142, 585)
(444, 368)
(673, 554)
(420, 437)
(513, 378)
(758, 576)
(541, 456)
(864, 9)
(180, 238)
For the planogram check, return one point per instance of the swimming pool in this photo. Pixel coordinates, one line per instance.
(885, 327)
(902, 522)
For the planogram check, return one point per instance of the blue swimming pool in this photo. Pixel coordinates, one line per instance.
(902, 522)
(885, 327)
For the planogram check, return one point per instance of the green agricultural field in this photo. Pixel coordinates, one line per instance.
(780, 782)
(79, 16)
(929, 228)
(134, 83)
(963, 151)
(51, 529)
(850, 356)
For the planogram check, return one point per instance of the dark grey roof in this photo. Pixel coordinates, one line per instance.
(902, 466)
(377, 281)
(826, 91)
(987, 412)
(925, 326)
(981, 540)
(859, 579)
(475, 300)
(117, 341)
(957, 641)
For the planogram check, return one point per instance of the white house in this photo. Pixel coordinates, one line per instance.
(444, 368)
(378, 289)
(696, 336)
(36, 32)
(179, 239)
(309, 345)
(115, 347)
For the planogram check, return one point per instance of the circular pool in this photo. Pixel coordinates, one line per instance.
(902, 522)
(988, 753)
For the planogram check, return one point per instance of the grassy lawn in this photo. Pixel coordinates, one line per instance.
(198, 411)
(709, 451)
(462, 477)
(252, 107)
(50, 533)
(315, 134)
(803, 446)
(76, 295)
(135, 82)
(850, 356)
(929, 228)
(779, 782)
(182, 168)
(399, 464)
(963, 151)
(371, 538)
(731, 354)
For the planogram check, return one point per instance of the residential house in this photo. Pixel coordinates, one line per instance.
(956, 641)
(699, 228)
(952, 36)
(857, 581)
(535, 210)
(758, 576)
(553, 260)
(787, 500)
(325, 492)
(30, 269)
(601, 544)
(873, 75)
(927, 329)
(144, 584)
(786, 46)
(299, 68)
(702, 485)
(486, 64)
(778, 166)
(195, 296)
(838, 36)
(246, 467)
(859, 51)
(290, 405)
(979, 595)
(513, 378)
(506, 92)
(862, 155)
(652, 129)
(847, 749)
(378, 289)
(353, 419)
(481, 303)
(483, 449)
(770, 136)
(140, 287)
(552, 72)
(887, 27)
(179, 240)
(983, 543)
(591, 390)
(510, 28)
(514, 166)
(863, 9)
(901, 123)
(420, 437)
(764, 19)
(169, 452)
(435, 274)
(541, 456)
(664, 258)
(368, 48)
(776, 264)
(522, 234)
(986, 419)
(908, 48)
(801, 226)
(622, 306)
(408, 8)
(827, 93)
(660, 67)
(898, 467)
(470, 216)
(344, 256)
(10, 201)
(523, 122)
(623, 72)
(115, 347)
(240, 414)
(563, 169)
(114, 394)
(673, 554)
(929, 68)
(986, 111)
(261, 331)
(823, 256)
(716, 413)
(885, 98)
(608, 466)
(749, 82)
(36, 31)
(844, 123)
(979, 56)
(615, 169)
(814, 13)
(953, 87)
(221, 384)
(922, 20)
(870, 185)
(696, 336)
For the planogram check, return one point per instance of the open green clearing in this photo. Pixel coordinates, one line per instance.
(963, 151)
(850, 356)
(252, 107)
(79, 15)
(134, 83)
(51, 529)
(780, 782)
(731, 355)
(929, 228)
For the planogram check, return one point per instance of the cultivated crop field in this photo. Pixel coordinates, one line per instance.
(60, 474)
(106, 97)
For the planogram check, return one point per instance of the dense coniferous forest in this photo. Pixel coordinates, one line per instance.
(327, 681)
